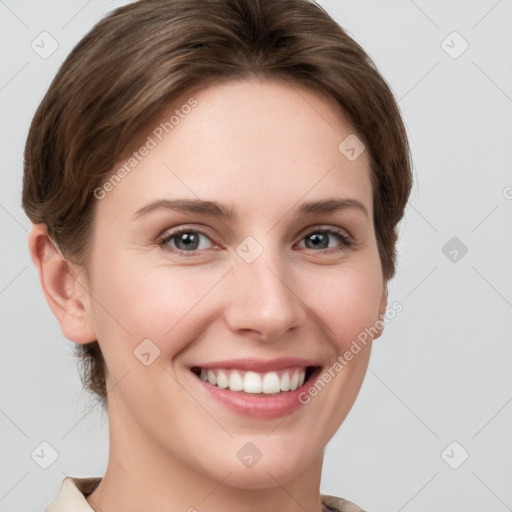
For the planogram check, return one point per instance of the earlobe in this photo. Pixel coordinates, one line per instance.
(67, 297)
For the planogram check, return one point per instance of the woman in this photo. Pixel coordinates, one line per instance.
(215, 188)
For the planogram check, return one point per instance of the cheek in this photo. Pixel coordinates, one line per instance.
(169, 306)
(347, 300)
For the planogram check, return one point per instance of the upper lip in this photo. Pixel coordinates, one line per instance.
(259, 365)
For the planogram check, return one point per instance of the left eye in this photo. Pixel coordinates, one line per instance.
(319, 238)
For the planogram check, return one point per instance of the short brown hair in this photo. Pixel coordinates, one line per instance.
(134, 61)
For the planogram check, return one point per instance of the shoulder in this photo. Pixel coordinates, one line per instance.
(73, 492)
(335, 504)
(72, 495)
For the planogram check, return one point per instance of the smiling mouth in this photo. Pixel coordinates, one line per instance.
(256, 383)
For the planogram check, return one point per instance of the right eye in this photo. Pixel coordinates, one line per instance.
(184, 240)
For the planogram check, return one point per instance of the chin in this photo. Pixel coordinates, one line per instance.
(273, 464)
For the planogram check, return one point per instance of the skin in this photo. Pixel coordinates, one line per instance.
(262, 147)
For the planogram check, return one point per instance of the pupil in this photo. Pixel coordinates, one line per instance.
(189, 240)
(321, 238)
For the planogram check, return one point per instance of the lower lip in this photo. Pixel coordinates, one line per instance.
(258, 406)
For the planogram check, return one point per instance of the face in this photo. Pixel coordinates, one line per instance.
(232, 266)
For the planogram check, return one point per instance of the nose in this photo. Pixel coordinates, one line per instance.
(263, 300)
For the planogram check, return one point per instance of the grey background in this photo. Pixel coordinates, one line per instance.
(442, 370)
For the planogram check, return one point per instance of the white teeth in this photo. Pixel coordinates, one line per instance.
(222, 379)
(212, 379)
(285, 382)
(294, 381)
(236, 383)
(253, 382)
(271, 383)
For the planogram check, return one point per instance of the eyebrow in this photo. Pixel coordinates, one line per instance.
(214, 209)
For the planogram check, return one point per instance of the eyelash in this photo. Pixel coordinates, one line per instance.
(346, 241)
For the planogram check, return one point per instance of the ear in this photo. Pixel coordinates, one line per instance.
(64, 286)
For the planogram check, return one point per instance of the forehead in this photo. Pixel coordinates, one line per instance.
(263, 143)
